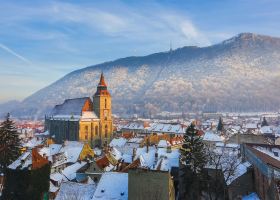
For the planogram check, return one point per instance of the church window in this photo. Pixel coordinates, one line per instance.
(105, 103)
(96, 130)
(86, 132)
(106, 131)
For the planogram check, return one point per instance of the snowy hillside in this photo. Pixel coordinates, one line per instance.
(239, 74)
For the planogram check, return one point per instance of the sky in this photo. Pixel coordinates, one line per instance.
(41, 41)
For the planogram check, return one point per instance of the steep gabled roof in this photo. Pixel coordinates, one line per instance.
(70, 107)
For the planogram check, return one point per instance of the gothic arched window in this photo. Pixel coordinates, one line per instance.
(106, 131)
(96, 130)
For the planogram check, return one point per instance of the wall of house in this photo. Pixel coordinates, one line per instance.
(86, 152)
(90, 132)
(248, 138)
(243, 185)
(94, 172)
(143, 185)
(264, 186)
(63, 129)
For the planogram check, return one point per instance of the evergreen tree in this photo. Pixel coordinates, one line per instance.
(264, 122)
(220, 126)
(9, 143)
(193, 159)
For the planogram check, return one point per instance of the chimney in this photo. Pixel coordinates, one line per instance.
(147, 145)
(168, 150)
(156, 156)
(133, 154)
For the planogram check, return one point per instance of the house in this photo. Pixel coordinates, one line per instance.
(266, 164)
(21, 177)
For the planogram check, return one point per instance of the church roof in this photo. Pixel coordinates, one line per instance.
(70, 107)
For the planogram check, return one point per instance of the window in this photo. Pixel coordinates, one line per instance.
(96, 130)
(106, 131)
(91, 131)
(105, 103)
(86, 132)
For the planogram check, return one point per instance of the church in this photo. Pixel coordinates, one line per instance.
(83, 119)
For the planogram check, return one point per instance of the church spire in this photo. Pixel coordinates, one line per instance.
(102, 80)
(102, 86)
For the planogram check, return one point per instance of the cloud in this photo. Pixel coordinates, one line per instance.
(5, 48)
(135, 23)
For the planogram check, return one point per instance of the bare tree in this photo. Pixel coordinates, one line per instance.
(221, 169)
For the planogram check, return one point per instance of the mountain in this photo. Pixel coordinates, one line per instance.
(238, 74)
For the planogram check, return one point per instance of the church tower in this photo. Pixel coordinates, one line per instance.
(102, 108)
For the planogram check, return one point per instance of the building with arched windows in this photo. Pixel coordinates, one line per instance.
(83, 119)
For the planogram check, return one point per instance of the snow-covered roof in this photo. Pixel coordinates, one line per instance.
(112, 185)
(51, 150)
(70, 171)
(227, 145)
(46, 133)
(167, 160)
(36, 141)
(163, 144)
(88, 116)
(58, 177)
(167, 128)
(210, 136)
(251, 126)
(70, 107)
(23, 161)
(266, 130)
(53, 188)
(273, 152)
(134, 126)
(239, 171)
(72, 190)
(135, 140)
(118, 142)
(66, 117)
(116, 153)
(149, 160)
(72, 150)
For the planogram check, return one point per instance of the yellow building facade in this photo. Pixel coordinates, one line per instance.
(96, 127)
